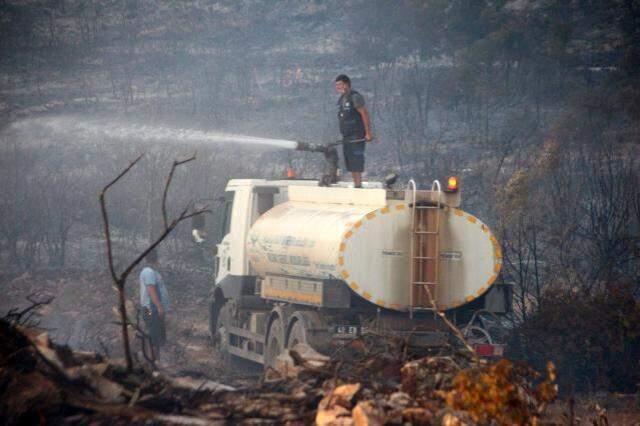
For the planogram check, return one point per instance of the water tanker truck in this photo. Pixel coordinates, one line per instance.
(298, 262)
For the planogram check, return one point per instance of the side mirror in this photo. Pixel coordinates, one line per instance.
(197, 228)
(198, 236)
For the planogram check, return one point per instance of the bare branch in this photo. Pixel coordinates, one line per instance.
(24, 316)
(124, 172)
(456, 331)
(175, 165)
(183, 216)
(105, 217)
(120, 280)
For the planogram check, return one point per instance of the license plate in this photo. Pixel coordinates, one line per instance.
(348, 330)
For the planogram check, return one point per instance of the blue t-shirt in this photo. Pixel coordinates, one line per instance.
(148, 276)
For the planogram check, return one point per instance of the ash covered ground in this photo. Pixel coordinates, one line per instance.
(81, 315)
(379, 387)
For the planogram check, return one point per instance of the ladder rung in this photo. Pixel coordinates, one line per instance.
(425, 233)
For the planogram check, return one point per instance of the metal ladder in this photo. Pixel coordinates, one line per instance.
(425, 249)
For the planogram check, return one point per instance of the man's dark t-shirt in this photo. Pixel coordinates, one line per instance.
(351, 125)
(352, 128)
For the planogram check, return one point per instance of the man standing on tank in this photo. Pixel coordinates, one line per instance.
(354, 126)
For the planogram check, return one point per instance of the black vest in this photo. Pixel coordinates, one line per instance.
(351, 124)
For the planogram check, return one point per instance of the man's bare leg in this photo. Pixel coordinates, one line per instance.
(357, 179)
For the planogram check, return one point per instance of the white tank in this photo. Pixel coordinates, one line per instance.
(362, 238)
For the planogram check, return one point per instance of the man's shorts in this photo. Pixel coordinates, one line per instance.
(155, 326)
(354, 156)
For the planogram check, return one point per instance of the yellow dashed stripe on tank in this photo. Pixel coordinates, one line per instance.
(497, 265)
(491, 280)
(343, 246)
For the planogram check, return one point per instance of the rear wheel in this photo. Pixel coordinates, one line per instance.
(309, 328)
(275, 343)
(477, 335)
(298, 334)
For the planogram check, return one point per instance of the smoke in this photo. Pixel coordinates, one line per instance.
(80, 128)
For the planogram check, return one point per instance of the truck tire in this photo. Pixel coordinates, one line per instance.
(214, 310)
(216, 302)
(275, 343)
(310, 328)
(297, 334)
(221, 336)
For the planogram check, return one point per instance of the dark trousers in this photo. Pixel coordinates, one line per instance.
(155, 328)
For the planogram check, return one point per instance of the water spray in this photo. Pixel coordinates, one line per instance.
(96, 129)
(82, 128)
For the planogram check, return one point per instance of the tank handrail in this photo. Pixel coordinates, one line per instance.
(436, 184)
(411, 185)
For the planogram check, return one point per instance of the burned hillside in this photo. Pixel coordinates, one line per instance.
(525, 112)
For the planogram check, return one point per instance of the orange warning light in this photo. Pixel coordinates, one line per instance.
(452, 184)
(291, 174)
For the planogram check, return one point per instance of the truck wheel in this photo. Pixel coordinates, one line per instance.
(477, 335)
(214, 311)
(221, 338)
(309, 328)
(275, 343)
(298, 334)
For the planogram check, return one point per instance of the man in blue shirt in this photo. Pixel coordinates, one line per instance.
(154, 300)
